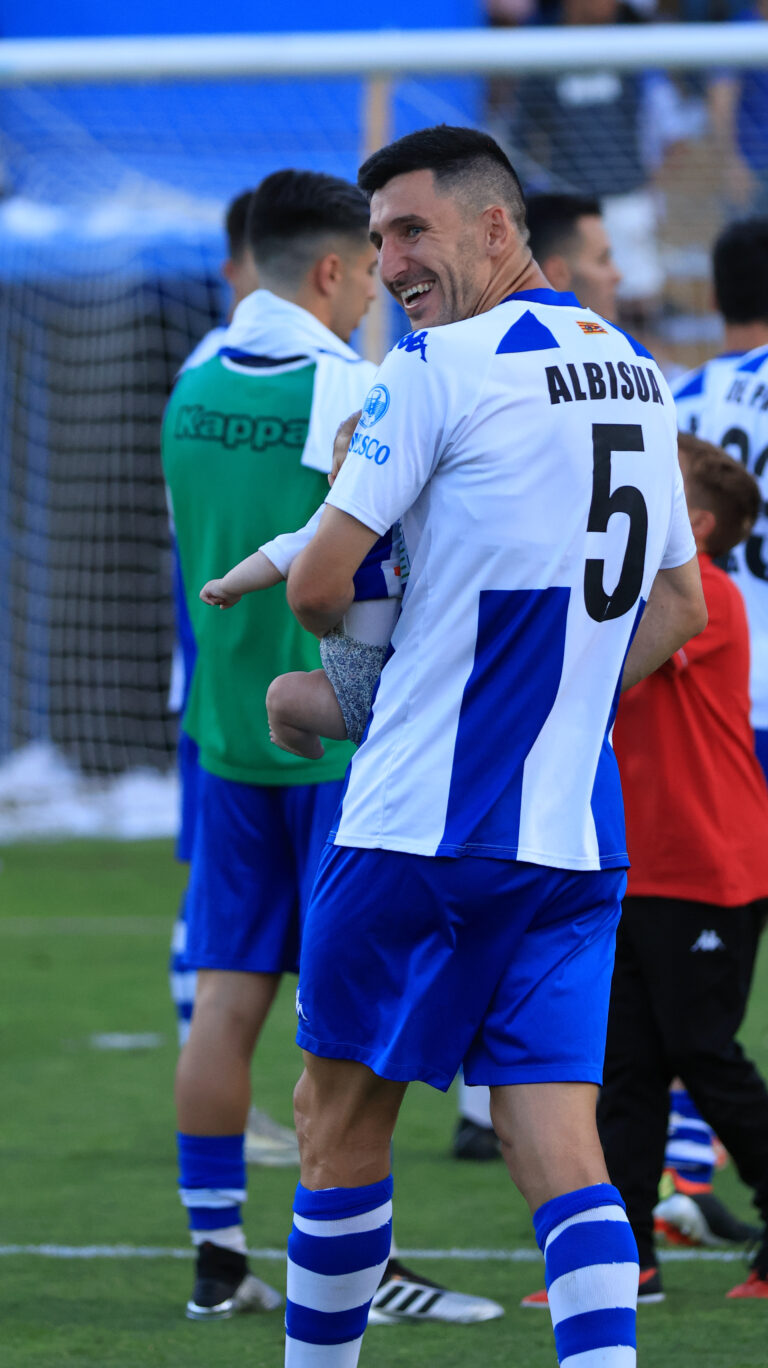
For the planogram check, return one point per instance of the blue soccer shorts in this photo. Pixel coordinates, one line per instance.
(186, 760)
(415, 965)
(254, 859)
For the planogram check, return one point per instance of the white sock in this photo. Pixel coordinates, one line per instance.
(475, 1104)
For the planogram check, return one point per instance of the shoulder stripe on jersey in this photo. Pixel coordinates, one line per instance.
(527, 334)
(694, 386)
(636, 346)
(755, 362)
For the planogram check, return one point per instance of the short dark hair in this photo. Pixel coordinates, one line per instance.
(553, 222)
(740, 269)
(715, 481)
(291, 213)
(235, 224)
(457, 157)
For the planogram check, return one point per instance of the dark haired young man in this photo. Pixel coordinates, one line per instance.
(697, 818)
(471, 888)
(569, 240)
(247, 441)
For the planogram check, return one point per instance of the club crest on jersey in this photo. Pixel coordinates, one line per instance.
(589, 328)
(375, 406)
(414, 342)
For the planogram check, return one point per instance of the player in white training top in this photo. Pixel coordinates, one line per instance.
(465, 908)
(726, 402)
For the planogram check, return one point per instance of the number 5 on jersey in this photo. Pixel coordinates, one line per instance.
(606, 439)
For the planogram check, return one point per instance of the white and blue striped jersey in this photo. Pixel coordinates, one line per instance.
(530, 454)
(726, 402)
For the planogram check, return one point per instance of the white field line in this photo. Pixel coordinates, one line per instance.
(55, 1251)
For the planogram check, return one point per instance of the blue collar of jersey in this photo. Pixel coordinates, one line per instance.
(545, 297)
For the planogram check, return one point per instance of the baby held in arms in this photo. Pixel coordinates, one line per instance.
(335, 701)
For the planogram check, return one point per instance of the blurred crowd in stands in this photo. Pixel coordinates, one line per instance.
(671, 156)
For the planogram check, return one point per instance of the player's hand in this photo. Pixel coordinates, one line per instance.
(218, 596)
(341, 443)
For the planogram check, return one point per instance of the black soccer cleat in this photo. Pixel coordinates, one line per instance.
(471, 1141)
(224, 1286)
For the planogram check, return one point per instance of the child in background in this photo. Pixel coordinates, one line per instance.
(697, 819)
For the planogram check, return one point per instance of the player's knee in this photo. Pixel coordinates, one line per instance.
(230, 1017)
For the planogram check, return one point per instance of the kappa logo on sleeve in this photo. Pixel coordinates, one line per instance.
(414, 342)
(375, 406)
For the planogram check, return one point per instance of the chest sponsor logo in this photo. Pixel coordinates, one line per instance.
(591, 328)
(233, 430)
(414, 342)
(375, 406)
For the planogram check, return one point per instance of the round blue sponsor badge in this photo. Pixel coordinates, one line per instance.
(375, 406)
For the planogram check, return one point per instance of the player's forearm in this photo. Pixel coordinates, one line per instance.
(674, 613)
(252, 574)
(318, 603)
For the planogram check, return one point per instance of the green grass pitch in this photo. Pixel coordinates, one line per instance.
(87, 1148)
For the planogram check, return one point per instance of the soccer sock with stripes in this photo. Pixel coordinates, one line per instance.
(212, 1186)
(590, 1261)
(689, 1150)
(337, 1251)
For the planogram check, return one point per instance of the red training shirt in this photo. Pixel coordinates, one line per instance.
(695, 794)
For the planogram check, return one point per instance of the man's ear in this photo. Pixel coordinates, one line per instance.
(327, 274)
(557, 271)
(227, 268)
(498, 229)
(703, 524)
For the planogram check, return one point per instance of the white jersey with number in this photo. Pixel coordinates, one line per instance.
(730, 408)
(531, 456)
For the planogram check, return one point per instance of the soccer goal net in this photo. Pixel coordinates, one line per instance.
(117, 161)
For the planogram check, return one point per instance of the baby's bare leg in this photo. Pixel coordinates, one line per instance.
(301, 708)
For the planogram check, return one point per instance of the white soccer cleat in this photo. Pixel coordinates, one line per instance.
(701, 1219)
(268, 1144)
(404, 1298)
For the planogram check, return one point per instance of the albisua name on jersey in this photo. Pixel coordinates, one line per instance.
(602, 380)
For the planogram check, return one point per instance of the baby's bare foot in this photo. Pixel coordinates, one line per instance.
(306, 744)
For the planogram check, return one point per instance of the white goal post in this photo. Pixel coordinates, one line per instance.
(383, 52)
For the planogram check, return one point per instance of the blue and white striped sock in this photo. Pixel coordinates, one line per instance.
(689, 1140)
(590, 1260)
(212, 1186)
(337, 1251)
